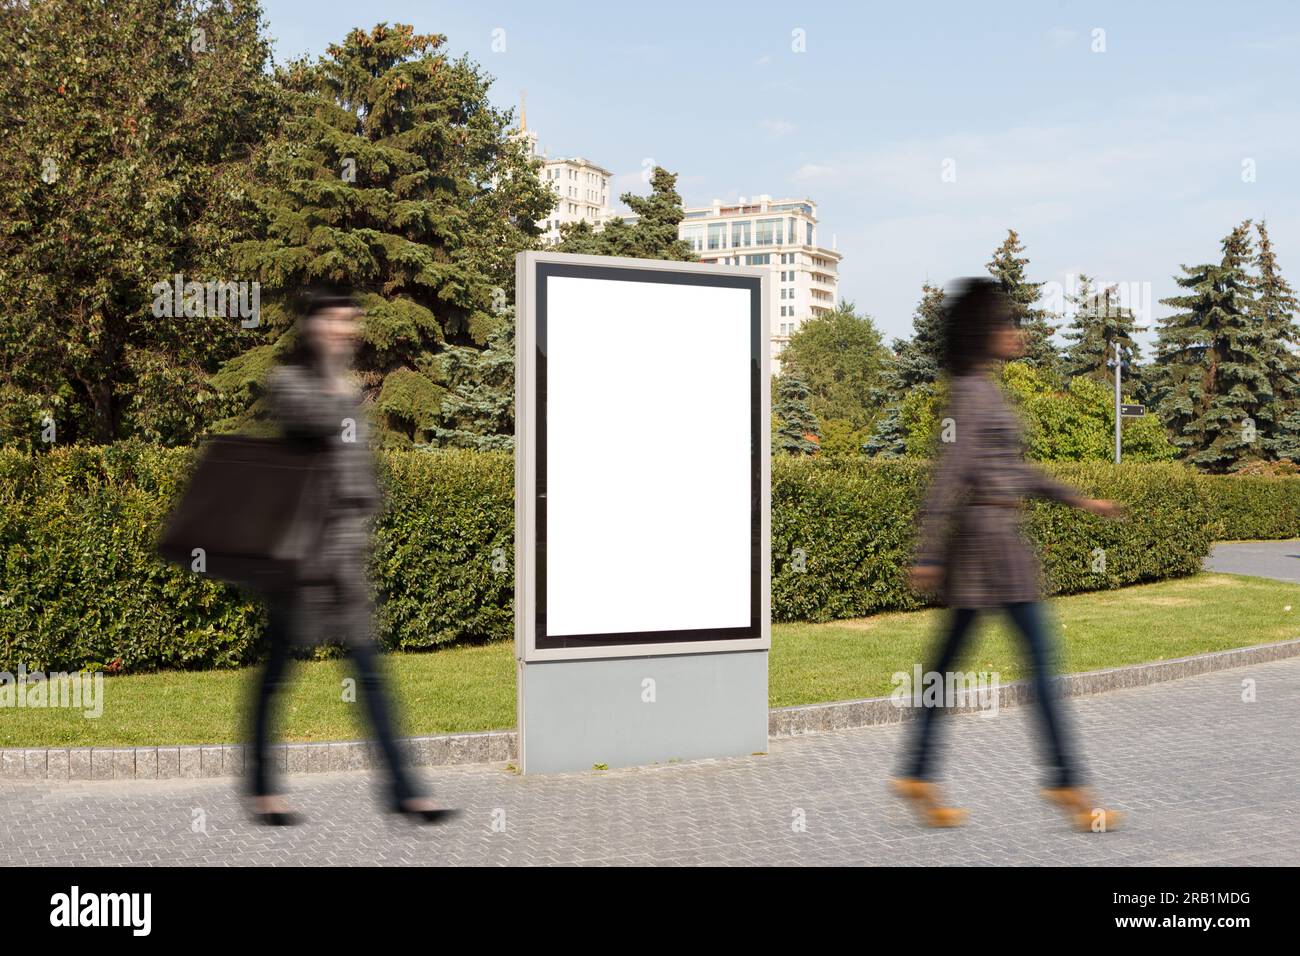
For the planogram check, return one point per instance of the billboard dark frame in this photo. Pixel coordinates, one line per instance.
(544, 271)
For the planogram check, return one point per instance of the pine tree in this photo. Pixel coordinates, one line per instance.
(796, 431)
(917, 363)
(1099, 321)
(920, 359)
(395, 174)
(1008, 267)
(1275, 308)
(1212, 361)
(651, 234)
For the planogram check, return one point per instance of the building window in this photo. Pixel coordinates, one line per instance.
(694, 237)
(761, 260)
(767, 232)
(717, 235)
(810, 233)
(739, 234)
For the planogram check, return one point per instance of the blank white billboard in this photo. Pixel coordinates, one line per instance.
(648, 459)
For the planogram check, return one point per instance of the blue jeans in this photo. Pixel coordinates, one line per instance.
(373, 693)
(1028, 620)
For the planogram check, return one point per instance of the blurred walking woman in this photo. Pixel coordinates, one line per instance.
(313, 401)
(972, 547)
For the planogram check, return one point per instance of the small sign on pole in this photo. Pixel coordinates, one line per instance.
(1132, 411)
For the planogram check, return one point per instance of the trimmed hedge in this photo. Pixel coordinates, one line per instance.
(80, 584)
(1253, 508)
(851, 526)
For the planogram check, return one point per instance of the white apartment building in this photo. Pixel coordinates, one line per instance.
(776, 234)
(582, 194)
(581, 187)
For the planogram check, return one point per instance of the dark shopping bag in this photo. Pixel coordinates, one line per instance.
(252, 513)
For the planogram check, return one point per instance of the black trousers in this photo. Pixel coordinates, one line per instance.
(370, 685)
(1029, 621)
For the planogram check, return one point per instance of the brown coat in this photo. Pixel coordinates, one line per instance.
(971, 521)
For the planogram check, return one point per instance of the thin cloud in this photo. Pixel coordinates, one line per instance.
(777, 127)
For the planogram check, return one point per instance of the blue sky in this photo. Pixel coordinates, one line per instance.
(1123, 163)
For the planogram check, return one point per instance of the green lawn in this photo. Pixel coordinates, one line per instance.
(473, 688)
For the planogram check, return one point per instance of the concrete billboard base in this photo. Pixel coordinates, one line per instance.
(621, 712)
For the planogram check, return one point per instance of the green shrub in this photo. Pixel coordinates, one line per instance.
(444, 552)
(851, 528)
(1246, 508)
(81, 585)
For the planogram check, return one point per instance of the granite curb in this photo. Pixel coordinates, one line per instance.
(501, 746)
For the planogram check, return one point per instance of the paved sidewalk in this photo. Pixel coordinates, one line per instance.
(1263, 559)
(1206, 778)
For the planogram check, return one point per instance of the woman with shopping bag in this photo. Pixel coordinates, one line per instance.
(290, 518)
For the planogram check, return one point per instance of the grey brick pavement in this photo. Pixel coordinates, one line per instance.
(1206, 778)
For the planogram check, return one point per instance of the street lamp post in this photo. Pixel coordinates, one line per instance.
(1117, 364)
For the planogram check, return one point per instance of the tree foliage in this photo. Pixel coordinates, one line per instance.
(916, 365)
(1009, 266)
(651, 234)
(1212, 356)
(1099, 322)
(841, 360)
(1275, 308)
(795, 428)
(125, 144)
(393, 173)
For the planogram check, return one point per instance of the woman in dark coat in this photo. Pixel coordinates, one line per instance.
(973, 549)
(312, 400)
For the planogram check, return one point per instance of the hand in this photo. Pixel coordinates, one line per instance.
(925, 577)
(340, 385)
(1102, 508)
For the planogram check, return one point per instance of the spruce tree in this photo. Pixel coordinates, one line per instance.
(395, 174)
(1008, 267)
(920, 359)
(796, 431)
(917, 363)
(652, 234)
(1275, 308)
(1211, 358)
(1099, 321)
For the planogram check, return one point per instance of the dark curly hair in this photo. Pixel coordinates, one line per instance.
(974, 308)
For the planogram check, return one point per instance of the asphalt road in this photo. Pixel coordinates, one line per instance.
(1264, 559)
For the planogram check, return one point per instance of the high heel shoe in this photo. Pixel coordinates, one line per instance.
(282, 817)
(1081, 807)
(424, 814)
(277, 818)
(924, 795)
